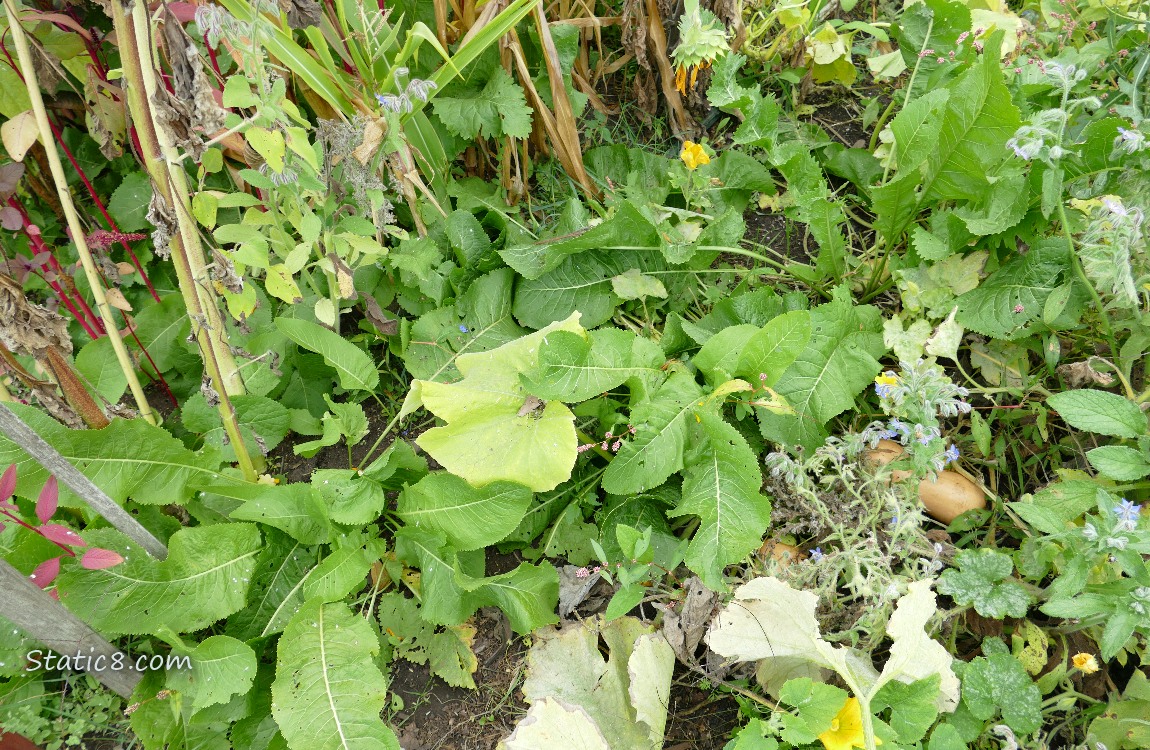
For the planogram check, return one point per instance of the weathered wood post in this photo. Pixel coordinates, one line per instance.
(50, 623)
(37, 613)
(72, 478)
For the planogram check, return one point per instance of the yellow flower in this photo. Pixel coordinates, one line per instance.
(885, 384)
(693, 155)
(1086, 663)
(846, 730)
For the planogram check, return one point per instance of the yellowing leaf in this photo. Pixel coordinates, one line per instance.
(890, 65)
(204, 208)
(914, 655)
(270, 145)
(325, 312)
(18, 134)
(553, 723)
(298, 142)
(280, 284)
(242, 304)
(116, 299)
(485, 438)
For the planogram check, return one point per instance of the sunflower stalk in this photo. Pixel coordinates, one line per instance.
(31, 83)
(162, 163)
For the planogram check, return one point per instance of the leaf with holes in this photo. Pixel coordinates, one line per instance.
(328, 693)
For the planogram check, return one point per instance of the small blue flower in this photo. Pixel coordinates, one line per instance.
(886, 434)
(1128, 514)
(924, 435)
(952, 454)
(1128, 511)
(463, 328)
(817, 554)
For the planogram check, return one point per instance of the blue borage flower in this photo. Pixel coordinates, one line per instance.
(1128, 514)
(416, 89)
(1130, 141)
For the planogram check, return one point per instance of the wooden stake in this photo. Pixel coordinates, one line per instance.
(50, 623)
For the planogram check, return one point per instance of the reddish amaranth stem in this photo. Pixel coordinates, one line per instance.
(212, 58)
(104, 212)
(87, 184)
(21, 522)
(38, 247)
(131, 332)
(100, 206)
(69, 285)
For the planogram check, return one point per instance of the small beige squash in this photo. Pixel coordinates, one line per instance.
(946, 498)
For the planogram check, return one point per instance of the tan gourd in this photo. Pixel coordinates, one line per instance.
(946, 498)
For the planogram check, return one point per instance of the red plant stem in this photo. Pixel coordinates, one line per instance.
(131, 332)
(39, 247)
(17, 520)
(212, 58)
(100, 205)
(97, 323)
(87, 183)
(71, 307)
(59, 289)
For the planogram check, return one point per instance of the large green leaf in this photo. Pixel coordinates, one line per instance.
(126, 459)
(294, 508)
(495, 430)
(574, 367)
(768, 354)
(916, 129)
(470, 518)
(264, 423)
(453, 586)
(328, 693)
(657, 449)
(1100, 412)
(204, 579)
(839, 361)
(355, 369)
(162, 329)
(719, 357)
(220, 668)
(1119, 462)
(277, 587)
(496, 108)
(999, 683)
(479, 321)
(100, 368)
(352, 497)
(1014, 295)
(582, 282)
(626, 229)
(339, 574)
(895, 204)
(980, 118)
(721, 486)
